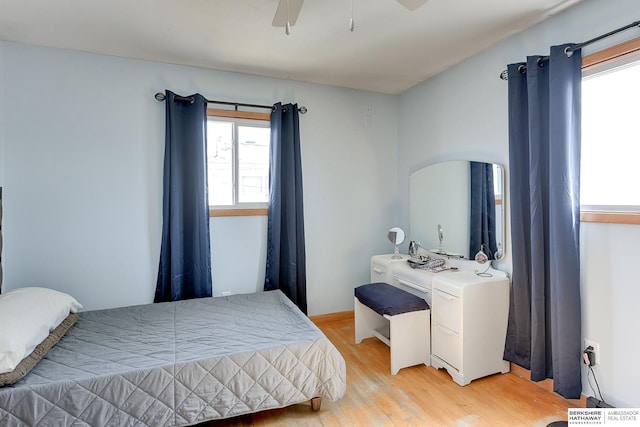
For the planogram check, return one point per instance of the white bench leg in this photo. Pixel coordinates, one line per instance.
(410, 339)
(366, 321)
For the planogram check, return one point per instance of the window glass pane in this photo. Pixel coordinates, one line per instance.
(220, 162)
(497, 182)
(611, 137)
(253, 164)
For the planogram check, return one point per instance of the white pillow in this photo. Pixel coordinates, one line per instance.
(27, 316)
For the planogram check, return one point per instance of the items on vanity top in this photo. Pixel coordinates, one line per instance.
(468, 313)
(423, 263)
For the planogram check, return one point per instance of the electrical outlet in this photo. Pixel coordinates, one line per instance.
(596, 350)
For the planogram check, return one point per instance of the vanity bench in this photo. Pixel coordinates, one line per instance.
(397, 318)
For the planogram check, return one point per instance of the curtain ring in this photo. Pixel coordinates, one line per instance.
(568, 52)
(540, 62)
(522, 69)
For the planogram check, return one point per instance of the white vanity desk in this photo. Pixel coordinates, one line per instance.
(468, 313)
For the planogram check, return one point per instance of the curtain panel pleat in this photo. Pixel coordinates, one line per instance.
(544, 330)
(286, 257)
(185, 260)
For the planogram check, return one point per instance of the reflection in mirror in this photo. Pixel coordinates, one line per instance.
(463, 198)
(396, 236)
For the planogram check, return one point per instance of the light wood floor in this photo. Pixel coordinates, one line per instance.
(417, 396)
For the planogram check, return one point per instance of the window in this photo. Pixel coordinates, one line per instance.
(238, 162)
(611, 135)
(497, 183)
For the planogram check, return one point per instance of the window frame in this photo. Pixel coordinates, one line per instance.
(219, 211)
(590, 64)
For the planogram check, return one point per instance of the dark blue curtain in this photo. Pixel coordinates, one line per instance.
(286, 265)
(483, 210)
(544, 331)
(185, 261)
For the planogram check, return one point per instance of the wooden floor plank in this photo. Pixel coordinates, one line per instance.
(416, 396)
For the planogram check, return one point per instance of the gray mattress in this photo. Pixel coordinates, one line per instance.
(179, 363)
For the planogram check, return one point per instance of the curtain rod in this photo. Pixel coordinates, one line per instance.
(504, 75)
(161, 97)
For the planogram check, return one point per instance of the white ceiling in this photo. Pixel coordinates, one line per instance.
(390, 50)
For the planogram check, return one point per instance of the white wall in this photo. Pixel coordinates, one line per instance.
(2, 126)
(243, 238)
(610, 295)
(84, 144)
(462, 113)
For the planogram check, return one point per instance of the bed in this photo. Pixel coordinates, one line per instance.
(178, 364)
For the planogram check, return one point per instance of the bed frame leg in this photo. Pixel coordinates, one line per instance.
(316, 402)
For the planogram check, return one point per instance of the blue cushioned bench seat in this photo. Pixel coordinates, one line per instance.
(386, 299)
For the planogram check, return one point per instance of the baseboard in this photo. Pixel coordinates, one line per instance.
(547, 385)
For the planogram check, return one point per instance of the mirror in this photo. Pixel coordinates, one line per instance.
(441, 208)
(396, 236)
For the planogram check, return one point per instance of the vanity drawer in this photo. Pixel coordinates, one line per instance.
(382, 267)
(379, 273)
(416, 288)
(446, 345)
(447, 310)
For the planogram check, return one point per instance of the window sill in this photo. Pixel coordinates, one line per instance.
(237, 212)
(610, 217)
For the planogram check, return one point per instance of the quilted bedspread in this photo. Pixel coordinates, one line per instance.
(178, 363)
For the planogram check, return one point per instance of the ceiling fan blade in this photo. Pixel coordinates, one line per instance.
(412, 4)
(280, 18)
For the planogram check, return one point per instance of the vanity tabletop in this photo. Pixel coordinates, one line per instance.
(453, 266)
